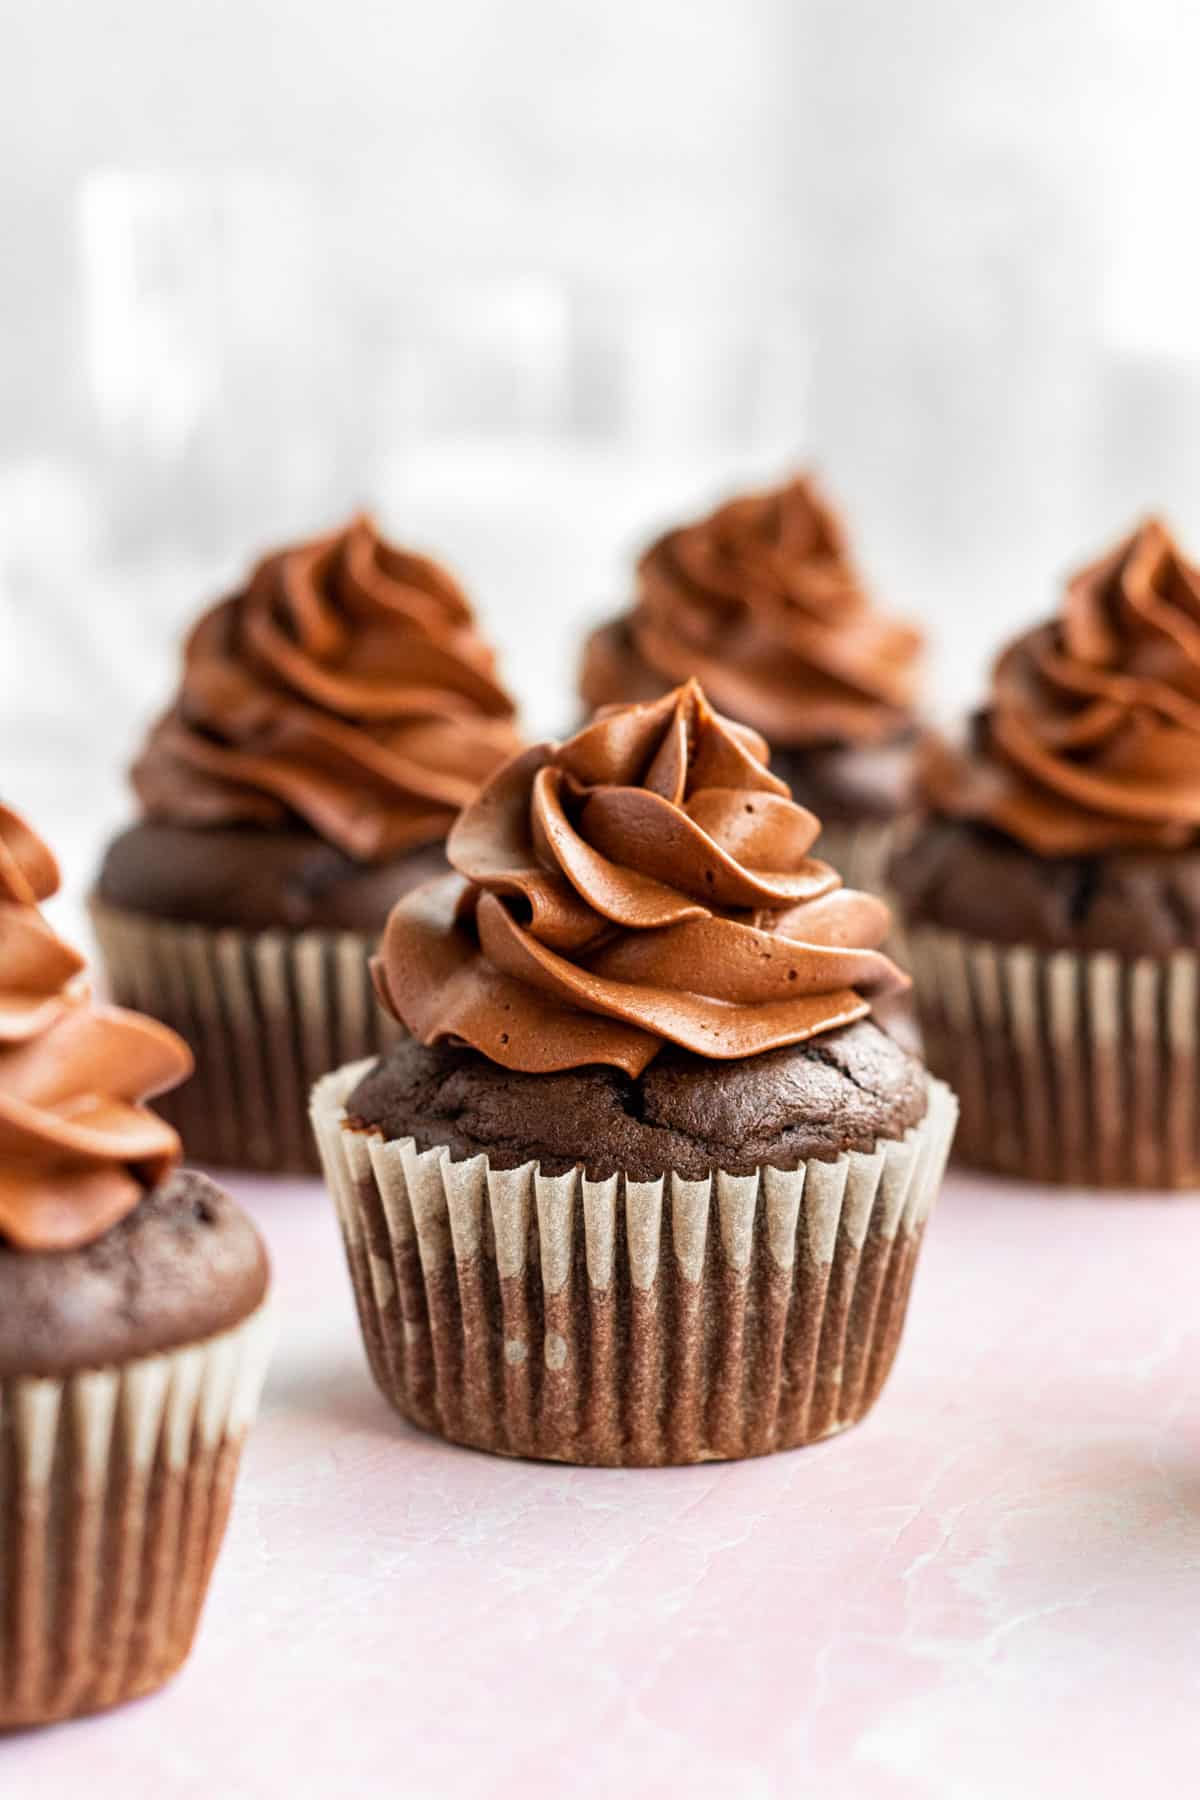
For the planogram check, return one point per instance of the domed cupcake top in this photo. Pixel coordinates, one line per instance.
(762, 603)
(649, 881)
(77, 1147)
(344, 685)
(1091, 738)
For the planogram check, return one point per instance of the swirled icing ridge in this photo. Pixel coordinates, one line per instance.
(77, 1147)
(344, 685)
(647, 882)
(762, 604)
(1091, 737)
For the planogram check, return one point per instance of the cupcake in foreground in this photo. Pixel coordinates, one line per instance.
(763, 604)
(1052, 896)
(333, 718)
(133, 1334)
(644, 1184)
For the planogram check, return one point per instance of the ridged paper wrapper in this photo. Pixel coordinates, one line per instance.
(1072, 1067)
(628, 1322)
(115, 1486)
(266, 1013)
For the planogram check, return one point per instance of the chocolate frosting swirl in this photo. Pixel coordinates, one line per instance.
(762, 603)
(77, 1147)
(345, 685)
(1091, 740)
(647, 882)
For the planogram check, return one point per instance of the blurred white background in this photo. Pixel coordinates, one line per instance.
(532, 278)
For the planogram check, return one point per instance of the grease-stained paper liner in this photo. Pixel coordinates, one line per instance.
(266, 1013)
(115, 1487)
(1071, 1067)
(625, 1322)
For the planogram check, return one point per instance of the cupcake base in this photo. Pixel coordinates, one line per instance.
(115, 1486)
(265, 1013)
(629, 1323)
(1072, 1067)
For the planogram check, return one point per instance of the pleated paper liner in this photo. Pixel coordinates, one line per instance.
(1073, 1068)
(266, 1013)
(115, 1486)
(624, 1322)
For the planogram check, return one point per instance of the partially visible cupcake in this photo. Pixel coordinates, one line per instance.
(133, 1333)
(332, 719)
(1052, 895)
(763, 604)
(645, 1184)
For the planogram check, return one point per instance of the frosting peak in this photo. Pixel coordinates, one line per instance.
(345, 685)
(647, 882)
(763, 604)
(77, 1147)
(1091, 739)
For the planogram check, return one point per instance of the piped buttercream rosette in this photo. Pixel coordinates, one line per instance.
(78, 1147)
(647, 882)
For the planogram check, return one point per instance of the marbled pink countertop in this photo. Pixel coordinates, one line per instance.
(991, 1589)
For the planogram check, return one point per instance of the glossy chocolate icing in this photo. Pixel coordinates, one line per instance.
(78, 1149)
(345, 687)
(762, 603)
(647, 882)
(1090, 741)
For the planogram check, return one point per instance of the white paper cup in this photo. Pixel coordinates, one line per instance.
(115, 1487)
(626, 1322)
(266, 1013)
(1070, 1067)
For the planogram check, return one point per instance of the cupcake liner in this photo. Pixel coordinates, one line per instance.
(115, 1487)
(1071, 1067)
(626, 1322)
(265, 1013)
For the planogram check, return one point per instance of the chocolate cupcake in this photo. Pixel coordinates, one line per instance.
(133, 1334)
(332, 719)
(1052, 896)
(763, 604)
(644, 1184)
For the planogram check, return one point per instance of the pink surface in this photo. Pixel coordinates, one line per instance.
(990, 1589)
